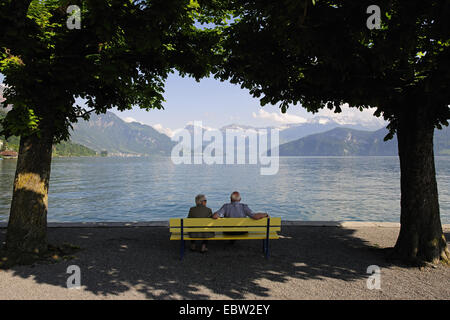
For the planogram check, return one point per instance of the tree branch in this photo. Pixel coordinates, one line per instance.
(85, 114)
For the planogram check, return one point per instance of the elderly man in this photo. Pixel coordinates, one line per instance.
(236, 209)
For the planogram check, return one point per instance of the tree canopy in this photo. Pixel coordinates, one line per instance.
(119, 57)
(322, 54)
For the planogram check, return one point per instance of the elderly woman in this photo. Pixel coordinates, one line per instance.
(200, 211)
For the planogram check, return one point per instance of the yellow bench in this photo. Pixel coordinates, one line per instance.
(265, 229)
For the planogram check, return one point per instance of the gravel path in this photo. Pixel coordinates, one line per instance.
(307, 263)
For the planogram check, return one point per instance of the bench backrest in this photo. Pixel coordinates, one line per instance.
(225, 224)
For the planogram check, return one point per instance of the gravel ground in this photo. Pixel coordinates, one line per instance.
(306, 263)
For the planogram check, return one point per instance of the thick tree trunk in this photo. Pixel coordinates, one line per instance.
(27, 226)
(421, 237)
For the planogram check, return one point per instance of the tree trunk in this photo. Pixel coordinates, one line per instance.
(27, 226)
(421, 237)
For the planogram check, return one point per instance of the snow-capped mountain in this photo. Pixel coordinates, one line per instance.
(293, 131)
(319, 124)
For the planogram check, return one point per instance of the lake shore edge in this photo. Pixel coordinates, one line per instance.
(165, 223)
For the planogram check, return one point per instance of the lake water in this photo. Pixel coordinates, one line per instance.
(145, 189)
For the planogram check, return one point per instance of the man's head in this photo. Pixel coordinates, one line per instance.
(200, 199)
(235, 197)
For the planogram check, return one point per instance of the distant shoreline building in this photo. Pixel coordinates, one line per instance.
(8, 154)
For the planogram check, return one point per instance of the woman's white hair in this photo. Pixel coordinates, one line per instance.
(199, 199)
(235, 196)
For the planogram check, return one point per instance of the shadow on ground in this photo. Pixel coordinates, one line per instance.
(114, 260)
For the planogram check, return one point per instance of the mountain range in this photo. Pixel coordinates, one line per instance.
(320, 136)
(351, 142)
(111, 133)
(323, 124)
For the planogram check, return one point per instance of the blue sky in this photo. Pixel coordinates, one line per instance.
(211, 101)
(218, 103)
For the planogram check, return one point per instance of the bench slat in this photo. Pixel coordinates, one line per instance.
(221, 236)
(223, 222)
(222, 229)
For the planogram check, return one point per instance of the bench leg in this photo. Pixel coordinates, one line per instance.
(182, 240)
(265, 247)
(182, 250)
(267, 238)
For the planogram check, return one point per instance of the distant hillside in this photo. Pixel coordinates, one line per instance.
(323, 124)
(109, 132)
(63, 149)
(70, 149)
(350, 142)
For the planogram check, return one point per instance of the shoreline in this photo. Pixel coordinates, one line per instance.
(165, 223)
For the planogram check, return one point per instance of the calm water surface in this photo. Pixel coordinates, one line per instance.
(144, 189)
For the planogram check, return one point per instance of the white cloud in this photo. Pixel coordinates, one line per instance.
(167, 131)
(284, 118)
(130, 119)
(352, 116)
(200, 124)
(348, 116)
(323, 121)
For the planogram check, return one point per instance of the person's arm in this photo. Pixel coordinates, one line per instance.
(253, 215)
(249, 213)
(260, 215)
(219, 213)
